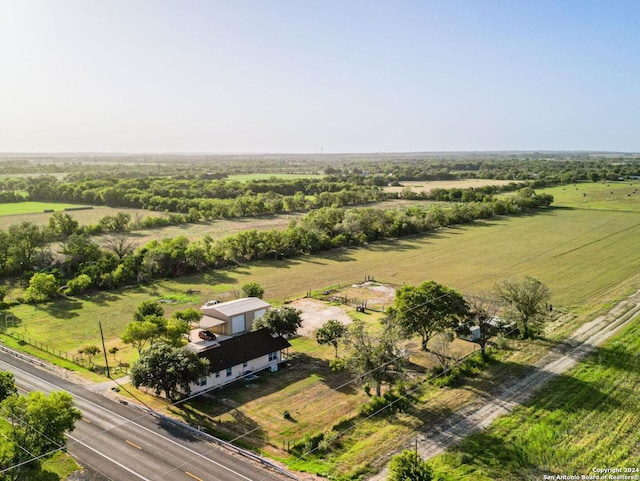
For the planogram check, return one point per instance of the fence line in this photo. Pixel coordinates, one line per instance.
(78, 360)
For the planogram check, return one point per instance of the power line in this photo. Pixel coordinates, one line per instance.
(349, 382)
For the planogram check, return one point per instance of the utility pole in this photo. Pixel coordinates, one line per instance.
(104, 350)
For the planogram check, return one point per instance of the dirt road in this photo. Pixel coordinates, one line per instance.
(438, 437)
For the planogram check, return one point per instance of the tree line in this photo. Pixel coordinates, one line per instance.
(88, 266)
(208, 199)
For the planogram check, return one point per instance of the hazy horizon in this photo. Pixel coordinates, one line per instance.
(302, 77)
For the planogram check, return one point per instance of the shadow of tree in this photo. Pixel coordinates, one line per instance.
(62, 309)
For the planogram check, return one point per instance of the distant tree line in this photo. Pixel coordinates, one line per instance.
(88, 266)
(206, 199)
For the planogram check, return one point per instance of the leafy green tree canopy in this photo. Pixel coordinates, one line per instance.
(38, 423)
(7, 385)
(253, 289)
(427, 309)
(370, 357)
(148, 308)
(284, 321)
(331, 333)
(408, 466)
(42, 287)
(167, 369)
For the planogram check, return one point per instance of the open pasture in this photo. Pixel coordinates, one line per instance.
(587, 258)
(37, 215)
(598, 196)
(18, 208)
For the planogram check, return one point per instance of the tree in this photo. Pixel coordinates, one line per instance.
(148, 308)
(526, 302)
(113, 351)
(7, 385)
(176, 331)
(167, 369)
(120, 244)
(62, 225)
(91, 351)
(372, 358)
(440, 349)
(408, 466)
(79, 248)
(253, 289)
(42, 286)
(78, 284)
(331, 332)
(138, 334)
(189, 315)
(38, 424)
(283, 321)
(482, 311)
(427, 309)
(26, 238)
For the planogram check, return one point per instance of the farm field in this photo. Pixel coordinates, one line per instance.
(426, 186)
(587, 256)
(84, 217)
(216, 229)
(598, 196)
(18, 208)
(588, 259)
(584, 419)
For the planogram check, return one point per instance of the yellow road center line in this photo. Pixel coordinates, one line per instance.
(132, 444)
(86, 420)
(192, 476)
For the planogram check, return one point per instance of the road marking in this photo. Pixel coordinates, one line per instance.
(192, 476)
(110, 459)
(126, 421)
(86, 420)
(132, 444)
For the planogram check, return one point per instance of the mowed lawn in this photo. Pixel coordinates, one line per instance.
(584, 419)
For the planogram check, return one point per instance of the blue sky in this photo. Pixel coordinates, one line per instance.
(301, 76)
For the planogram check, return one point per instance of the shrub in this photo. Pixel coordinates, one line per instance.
(78, 284)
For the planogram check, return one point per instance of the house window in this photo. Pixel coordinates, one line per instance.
(217, 373)
(229, 371)
(273, 356)
(202, 381)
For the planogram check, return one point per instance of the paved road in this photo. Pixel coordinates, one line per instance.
(122, 443)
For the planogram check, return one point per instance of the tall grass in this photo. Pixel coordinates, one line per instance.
(584, 419)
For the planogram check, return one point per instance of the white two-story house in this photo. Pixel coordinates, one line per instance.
(226, 339)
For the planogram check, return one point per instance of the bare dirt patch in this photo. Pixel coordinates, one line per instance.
(315, 313)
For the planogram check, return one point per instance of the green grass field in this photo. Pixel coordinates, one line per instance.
(587, 255)
(584, 419)
(598, 196)
(588, 259)
(84, 217)
(19, 208)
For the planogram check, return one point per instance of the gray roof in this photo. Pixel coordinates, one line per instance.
(233, 308)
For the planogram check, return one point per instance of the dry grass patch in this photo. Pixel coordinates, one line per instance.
(427, 186)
